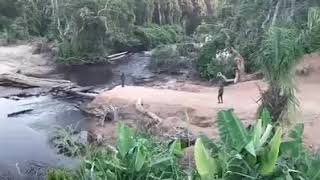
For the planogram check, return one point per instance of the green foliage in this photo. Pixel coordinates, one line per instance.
(214, 59)
(134, 157)
(280, 53)
(266, 117)
(37, 16)
(270, 156)
(84, 29)
(125, 139)
(206, 165)
(176, 148)
(231, 131)
(259, 158)
(264, 155)
(154, 35)
(59, 175)
(65, 141)
(9, 10)
(243, 26)
(311, 35)
(169, 60)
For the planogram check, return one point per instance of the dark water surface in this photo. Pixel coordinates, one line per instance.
(24, 138)
(108, 75)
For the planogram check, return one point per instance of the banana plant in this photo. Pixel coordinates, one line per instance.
(207, 166)
(259, 149)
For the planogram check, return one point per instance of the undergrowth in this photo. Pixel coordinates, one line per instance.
(258, 153)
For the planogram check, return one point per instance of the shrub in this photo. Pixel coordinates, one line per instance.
(59, 175)
(66, 142)
(154, 35)
(167, 59)
(211, 61)
(258, 153)
(134, 157)
(240, 153)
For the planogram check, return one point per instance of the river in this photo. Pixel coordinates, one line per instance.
(24, 138)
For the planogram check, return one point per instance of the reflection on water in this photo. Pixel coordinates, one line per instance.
(25, 137)
(108, 75)
(89, 75)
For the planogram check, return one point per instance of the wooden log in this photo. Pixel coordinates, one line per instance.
(82, 94)
(117, 55)
(19, 112)
(14, 79)
(142, 110)
(55, 85)
(116, 58)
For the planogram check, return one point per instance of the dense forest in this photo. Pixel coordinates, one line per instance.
(233, 38)
(86, 28)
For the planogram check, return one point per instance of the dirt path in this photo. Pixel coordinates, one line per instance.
(201, 103)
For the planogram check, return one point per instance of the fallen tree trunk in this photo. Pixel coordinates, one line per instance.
(81, 94)
(19, 80)
(117, 55)
(55, 85)
(19, 112)
(151, 115)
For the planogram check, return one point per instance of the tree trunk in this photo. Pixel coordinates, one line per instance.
(159, 13)
(157, 120)
(56, 85)
(293, 6)
(240, 64)
(276, 11)
(19, 80)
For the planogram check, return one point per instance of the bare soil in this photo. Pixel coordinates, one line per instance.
(172, 100)
(20, 58)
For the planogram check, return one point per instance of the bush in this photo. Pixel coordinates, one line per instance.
(154, 35)
(168, 59)
(240, 153)
(258, 153)
(134, 157)
(66, 142)
(59, 175)
(211, 61)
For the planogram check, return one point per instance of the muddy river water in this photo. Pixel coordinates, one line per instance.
(24, 138)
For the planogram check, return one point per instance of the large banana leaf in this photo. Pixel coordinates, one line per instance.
(175, 148)
(125, 139)
(271, 153)
(259, 137)
(140, 158)
(206, 165)
(231, 131)
(257, 133)
(264, 137)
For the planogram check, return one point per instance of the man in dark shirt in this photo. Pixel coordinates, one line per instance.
(123, 78)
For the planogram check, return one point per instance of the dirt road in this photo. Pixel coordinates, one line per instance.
(201, 103)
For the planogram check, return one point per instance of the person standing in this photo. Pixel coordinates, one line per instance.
(220, 91)
(123, 78)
